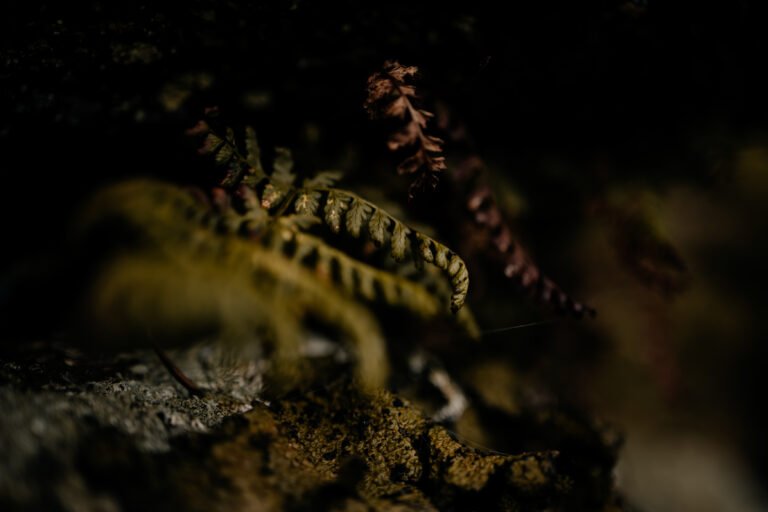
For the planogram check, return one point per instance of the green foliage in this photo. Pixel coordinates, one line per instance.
(339, 209)
(257, 261)
(182, 281)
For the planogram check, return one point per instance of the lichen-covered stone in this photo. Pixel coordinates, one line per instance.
(77, 435)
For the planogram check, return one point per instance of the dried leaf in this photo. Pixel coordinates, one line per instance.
(389, 82)
(398, 71)
(398, 108)
(411, 164)
(405, 137)
(433, 144)
(390, 97)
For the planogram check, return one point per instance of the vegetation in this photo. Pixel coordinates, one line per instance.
(532, 221)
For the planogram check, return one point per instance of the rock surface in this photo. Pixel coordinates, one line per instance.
(79, 434)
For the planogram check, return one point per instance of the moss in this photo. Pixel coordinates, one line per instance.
(128, 436)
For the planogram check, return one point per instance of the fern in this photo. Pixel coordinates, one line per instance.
(339, 209)
(391, 97)
(308, 198)
(357, 214)
(182, 280)
(242, 167)
(517, 264)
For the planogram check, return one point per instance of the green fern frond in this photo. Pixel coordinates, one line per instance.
(399, 241)
(355, 278)
(309, 296)
(322, 179)
(297, 222)
(358, 213)
(336, 205)
(357, 216)
(378, 227)
(283, 165)
(309, 198)
(253, 152)
(225, 150)
(339, 207)
(242, 167)
(255, 172)
(307, 203)
(182, 281)
(281, 180)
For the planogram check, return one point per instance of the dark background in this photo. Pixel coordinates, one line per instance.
(567, 101)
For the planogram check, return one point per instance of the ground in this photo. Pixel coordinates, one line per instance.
(93, 435)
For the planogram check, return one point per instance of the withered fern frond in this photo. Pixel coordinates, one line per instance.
(391, 97)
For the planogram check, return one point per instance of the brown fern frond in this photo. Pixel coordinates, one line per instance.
(518, 266)
(480, 203)
(391, 97)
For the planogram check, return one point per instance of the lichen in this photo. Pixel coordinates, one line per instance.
(129, 438)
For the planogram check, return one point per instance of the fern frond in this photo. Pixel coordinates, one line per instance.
(322, 179)
(309, 296)
(184, 281)
(307, 202)
(391, 97)
(358, 216)
(280, 183)
(378, 227)
(432, 279)
(358, 213)
(336, 204)
(254, 217)
(518, 266)
(253, 158)
(282, 167)
(356, 278)
(399, 241)
(240, 167)
(308, 198)
(296, 222)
